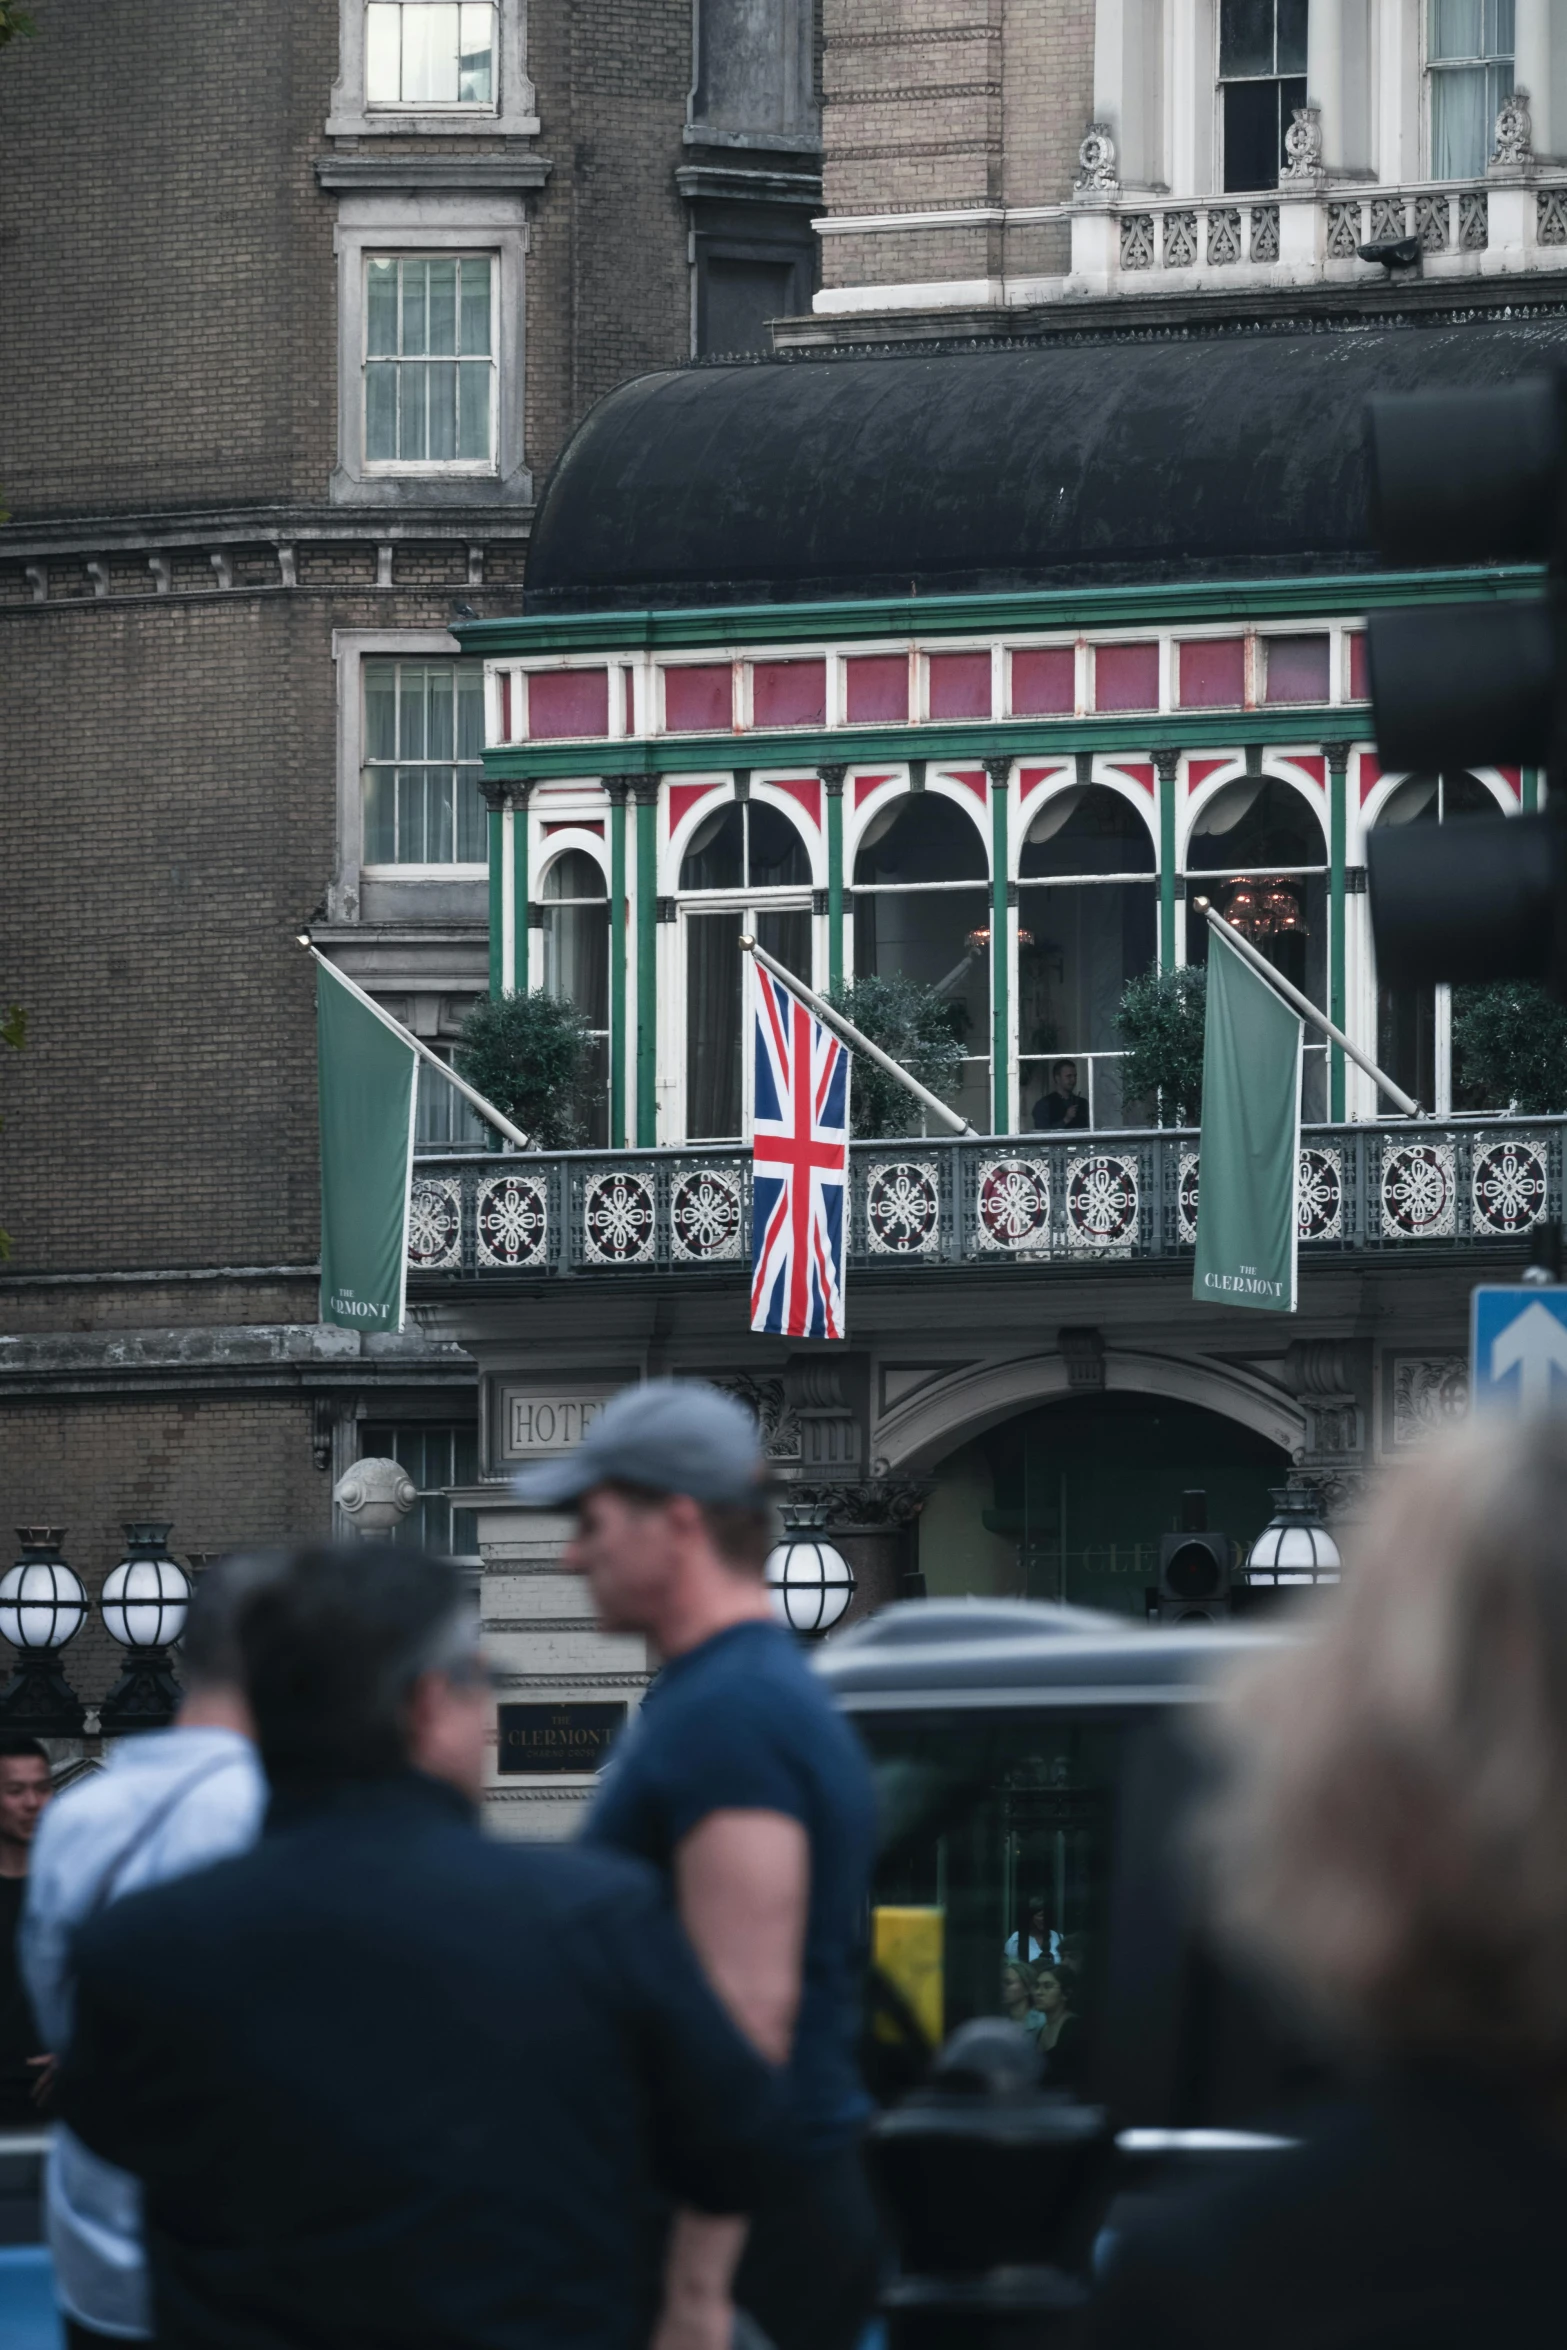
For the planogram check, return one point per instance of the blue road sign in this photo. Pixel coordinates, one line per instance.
(1518, 1349)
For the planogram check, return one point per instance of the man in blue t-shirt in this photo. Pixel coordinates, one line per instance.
(742, 1782)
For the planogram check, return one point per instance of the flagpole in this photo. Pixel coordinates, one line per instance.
(486, 1110)
(850, 1035)
(1306, 1008)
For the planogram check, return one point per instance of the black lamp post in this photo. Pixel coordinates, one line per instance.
(143, 1604)
(42, 1606)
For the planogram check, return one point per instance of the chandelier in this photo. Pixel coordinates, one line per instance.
(1264, 909)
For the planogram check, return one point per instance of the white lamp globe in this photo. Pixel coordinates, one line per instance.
(1294, 1546)
(42, 1600)
(144, 1599)
(810, 1582)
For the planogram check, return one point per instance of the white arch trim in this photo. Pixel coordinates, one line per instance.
(940, 783)
(1272, 771)
(1028, 806)
(915, 1435)
(554, 846)
(721, 794)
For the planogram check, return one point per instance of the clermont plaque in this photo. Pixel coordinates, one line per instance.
(556, 1737)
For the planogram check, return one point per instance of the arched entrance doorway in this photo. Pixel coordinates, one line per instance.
(1068, 1500)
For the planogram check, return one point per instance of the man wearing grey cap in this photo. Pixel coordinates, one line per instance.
(741, 1781)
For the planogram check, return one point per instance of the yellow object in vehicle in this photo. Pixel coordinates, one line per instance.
(909, 1946)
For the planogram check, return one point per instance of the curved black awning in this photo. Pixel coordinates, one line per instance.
(1217, 454)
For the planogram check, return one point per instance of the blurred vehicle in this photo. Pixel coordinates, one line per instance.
(1036, 1757)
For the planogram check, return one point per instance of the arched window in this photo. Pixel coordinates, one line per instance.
(1086, 920)
(1257, 851)
(576, 962)
(745, 870)
(922, 912)
(1414, 1024)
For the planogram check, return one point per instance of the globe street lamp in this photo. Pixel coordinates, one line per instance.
(811, 1583)
(143, 1604)
(1294, 1547)
(42, 1606)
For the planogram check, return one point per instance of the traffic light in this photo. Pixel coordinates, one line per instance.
(1195, 1568)
(1470, 477)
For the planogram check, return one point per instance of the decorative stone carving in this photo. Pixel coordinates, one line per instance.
(878, 1505)
(1514, 148)
(1096, 162)
(375, 1495)
(1264, 233)
(767, 1401)
(1303, 145)
(1429, 1393)
(829, 1426)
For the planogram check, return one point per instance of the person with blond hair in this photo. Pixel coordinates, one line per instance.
(1389, 1849)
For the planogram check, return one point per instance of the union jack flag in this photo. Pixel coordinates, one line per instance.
(799, 1168)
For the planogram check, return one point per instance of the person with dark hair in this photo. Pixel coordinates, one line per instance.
(1062, 1105)
(387, 2083)
(1061, 2035)
(25, 1788)
(741, 1782)
(167, 1802)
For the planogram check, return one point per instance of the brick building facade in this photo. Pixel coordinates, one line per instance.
(300, 308)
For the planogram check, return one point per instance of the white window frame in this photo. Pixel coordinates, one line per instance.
(514, 113)
(428, 468)
(373, 226)
(351, 648)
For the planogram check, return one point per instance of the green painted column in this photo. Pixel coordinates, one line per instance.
(1338, 821)
(495, 801)
(645, 789)
(1166, 768)
(521, 907)
(1531, 789)
(832, 783)
(619, 1007)
(1000, 773)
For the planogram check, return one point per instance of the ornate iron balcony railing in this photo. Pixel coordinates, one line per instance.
(1020, 1198)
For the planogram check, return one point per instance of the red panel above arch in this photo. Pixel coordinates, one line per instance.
(807, 789)
(1199, 770)
(684, 796)
(864, 785)
(1138, 771)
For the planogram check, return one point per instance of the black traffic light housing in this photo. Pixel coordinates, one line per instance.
(1472, 477)
(1196, 1568)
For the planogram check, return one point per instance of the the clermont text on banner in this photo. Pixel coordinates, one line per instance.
(367, 1138)
(1250, 1167)
(799, 1168)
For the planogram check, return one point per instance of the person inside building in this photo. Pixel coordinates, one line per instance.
(387, 2082)
(1063, 1105)
(1043, 1940)
(25, 1789)
(1018, 2001)
(741, 1781)
(1061, 2029)
(168, 1801)
(1387, 1849)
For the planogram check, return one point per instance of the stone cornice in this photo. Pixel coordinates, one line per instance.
(432, 174)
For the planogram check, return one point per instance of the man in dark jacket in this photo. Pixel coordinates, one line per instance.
(385, 2082)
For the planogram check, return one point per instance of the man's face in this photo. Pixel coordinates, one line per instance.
(24, 1790)
(627, 1552)
(1066, 1077)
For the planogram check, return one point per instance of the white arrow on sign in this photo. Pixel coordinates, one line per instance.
(1533, 1346)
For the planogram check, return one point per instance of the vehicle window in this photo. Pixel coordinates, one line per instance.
(994, 1885)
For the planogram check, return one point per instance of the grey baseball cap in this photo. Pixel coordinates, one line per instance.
(671, 1435)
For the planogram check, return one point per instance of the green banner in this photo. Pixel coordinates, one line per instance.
(367, 1137)
(1246, 1206)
